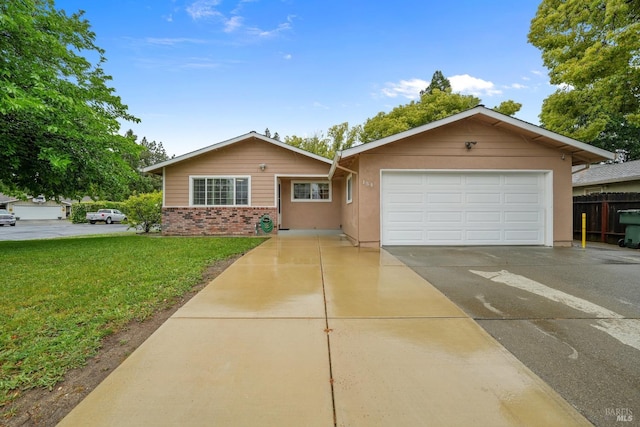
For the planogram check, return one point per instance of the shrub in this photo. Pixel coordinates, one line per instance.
(144, 211)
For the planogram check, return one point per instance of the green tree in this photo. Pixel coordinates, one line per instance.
(316, 144)
(592, 51)
(508, 107)
(144, 211)
(432, 106)
(339, 137)
(438, 81)
(150, 153)
(437, 101)
(59, 119)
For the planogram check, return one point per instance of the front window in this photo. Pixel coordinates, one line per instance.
(311, 191)
(349, 189)
(220, 191)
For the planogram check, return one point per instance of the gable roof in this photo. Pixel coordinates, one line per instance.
(581, 153)
(607, 174)
(251, 135)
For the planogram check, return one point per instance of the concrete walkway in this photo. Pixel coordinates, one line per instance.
(310, 331)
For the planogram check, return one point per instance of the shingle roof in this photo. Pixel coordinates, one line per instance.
(608, 173)
(4, 198)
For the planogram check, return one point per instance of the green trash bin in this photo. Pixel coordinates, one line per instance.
(630, 217)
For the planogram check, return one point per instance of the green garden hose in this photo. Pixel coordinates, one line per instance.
(266, 224)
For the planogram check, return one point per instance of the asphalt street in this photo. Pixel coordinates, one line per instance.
(571, 315)
(48, 229)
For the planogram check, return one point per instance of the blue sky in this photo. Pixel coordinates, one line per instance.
(197, 72)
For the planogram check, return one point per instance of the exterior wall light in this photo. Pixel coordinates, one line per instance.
(262, 166)
(470, 144)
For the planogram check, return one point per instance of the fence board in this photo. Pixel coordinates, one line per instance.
(603, 223)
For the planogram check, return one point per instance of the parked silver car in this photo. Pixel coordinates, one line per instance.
(7, 217)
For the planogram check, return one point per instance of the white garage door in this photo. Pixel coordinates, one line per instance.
(37, 212)
(463, 208)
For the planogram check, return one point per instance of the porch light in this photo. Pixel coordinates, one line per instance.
(262, 166)
(470, 144)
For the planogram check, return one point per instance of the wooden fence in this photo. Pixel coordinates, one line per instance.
(602, 215)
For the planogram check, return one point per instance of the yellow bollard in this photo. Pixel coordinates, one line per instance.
(584, 230)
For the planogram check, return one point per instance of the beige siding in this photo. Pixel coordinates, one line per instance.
(444, 149)
(351, 210)
(240, 159)
(312, 214)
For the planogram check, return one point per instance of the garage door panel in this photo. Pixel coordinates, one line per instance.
(532, 179)
(406, 217)
(520, 236)
(484, 236)
(491, 180)
(478, 217)
(445, 216)
(463, 208)
(445, 236)
(526, 217)
(483, 198)
(444, 179)
(439, 198)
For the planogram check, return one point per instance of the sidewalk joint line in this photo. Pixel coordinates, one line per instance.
(328, 330)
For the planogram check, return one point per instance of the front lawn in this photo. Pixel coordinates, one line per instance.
(59, 298)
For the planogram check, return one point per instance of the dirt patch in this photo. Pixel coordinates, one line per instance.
(43, 408)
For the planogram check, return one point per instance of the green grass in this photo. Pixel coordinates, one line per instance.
(59, 298)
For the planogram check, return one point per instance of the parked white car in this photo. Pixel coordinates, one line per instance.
(7, 217)
(109, 216)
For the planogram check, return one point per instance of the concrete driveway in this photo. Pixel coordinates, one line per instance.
(310, 331)
(572, 315)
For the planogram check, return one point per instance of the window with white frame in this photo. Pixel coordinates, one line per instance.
(312, 191)
(220, 191)
(349, 189)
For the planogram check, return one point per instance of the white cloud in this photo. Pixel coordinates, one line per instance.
(203, 9)
(287, 56)
(409, 89)
(517, 86)
(473, 86)
(233, 24)
(316, 104)
(285, 26)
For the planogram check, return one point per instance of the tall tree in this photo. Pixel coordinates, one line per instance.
(432, 106)
(438, 81)
(150, 153)
(592, 51)
(59, 119)
(339, 137)
(437, 101)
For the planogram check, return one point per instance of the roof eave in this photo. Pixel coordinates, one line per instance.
(157, 168)
(584, 153)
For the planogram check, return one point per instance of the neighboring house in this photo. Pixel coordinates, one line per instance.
(607, 178)
(475, 178)
(35, 207)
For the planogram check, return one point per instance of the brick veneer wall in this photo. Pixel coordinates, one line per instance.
(215, 221)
